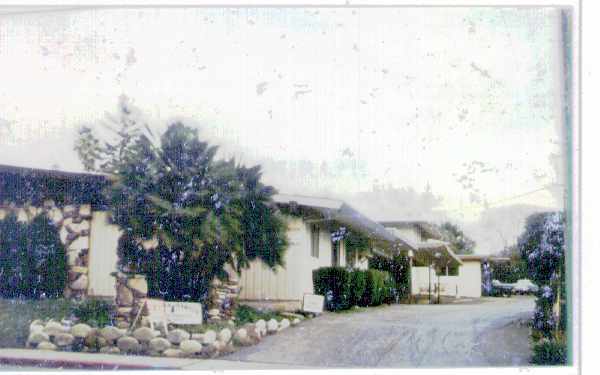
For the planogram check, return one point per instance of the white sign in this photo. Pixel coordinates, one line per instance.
(156, 312)
(313, 303)
(184, 312)
(162, 312)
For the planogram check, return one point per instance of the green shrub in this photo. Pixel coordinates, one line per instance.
(335, 284)
(358, 286)
(33, 262)
(399, 269)
(550, 352)
(246, 314)
(378, 288)
(95, 312)
(389, 289)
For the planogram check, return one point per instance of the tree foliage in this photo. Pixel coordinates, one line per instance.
(542, 246)
(203, 212)
(461, 244)
(33, 260)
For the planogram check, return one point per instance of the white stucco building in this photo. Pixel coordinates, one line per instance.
(435, 266)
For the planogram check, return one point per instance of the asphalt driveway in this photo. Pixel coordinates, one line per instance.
(483, 332)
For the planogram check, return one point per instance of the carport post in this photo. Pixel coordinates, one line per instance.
(429, 279)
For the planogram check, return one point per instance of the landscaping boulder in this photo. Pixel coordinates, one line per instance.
(272, 326)
(295, 322)
(138, 286)
(46, 345)
(111, 333)
(124, 296)
(173, 353)
(63, 339)
(80, 284)
(254, 334)
(53, 328)
(144, 334)
(36, 325)
(241, 337)
(225, 335)
(285, 323)
(261, 325)
(36, 328)
(176, 336)
(190, 347)
(209, 337)
(37, 337)
(110, 350)
(81, 330)
(159, 344)
(128, 344)
(219, 346)
(210, 350)
(214, 312)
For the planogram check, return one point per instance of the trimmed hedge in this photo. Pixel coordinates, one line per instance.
(345, 288)
(334, 284)
(358, 286)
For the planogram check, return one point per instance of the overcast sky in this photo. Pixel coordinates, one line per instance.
(466, 101)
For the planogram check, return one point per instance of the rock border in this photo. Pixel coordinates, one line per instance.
(179, 343)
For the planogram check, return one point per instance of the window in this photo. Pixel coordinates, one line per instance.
(314, 241)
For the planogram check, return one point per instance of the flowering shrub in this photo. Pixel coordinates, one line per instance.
(542, 245)
(486, 282)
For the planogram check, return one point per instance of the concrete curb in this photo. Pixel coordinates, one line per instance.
(51, 359)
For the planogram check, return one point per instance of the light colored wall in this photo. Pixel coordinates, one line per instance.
(470, 278)
(258, 282)
(103, 257)
(420, 278)
(466, 284)
(450, 286)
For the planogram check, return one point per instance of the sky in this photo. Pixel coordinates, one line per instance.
(371, 105)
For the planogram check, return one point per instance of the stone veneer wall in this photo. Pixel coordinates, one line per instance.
(131, 291)
(223, 299)
(73, 224)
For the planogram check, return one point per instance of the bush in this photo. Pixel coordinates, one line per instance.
(358, 286)
(246, 314)
(343, 288)
(95, 312)
(33, 261)
(399, 269)
(550, 352)
(335, 284)
(378, 288)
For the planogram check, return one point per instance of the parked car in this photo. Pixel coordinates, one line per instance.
(500, 289)
(525, 286)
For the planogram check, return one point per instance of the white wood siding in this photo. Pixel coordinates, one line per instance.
(291, 282)
(103, 256)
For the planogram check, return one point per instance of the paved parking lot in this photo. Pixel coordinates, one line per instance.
(482, 332)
